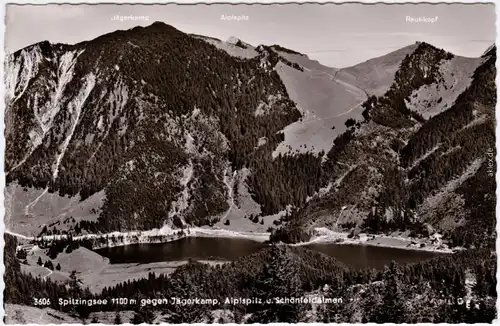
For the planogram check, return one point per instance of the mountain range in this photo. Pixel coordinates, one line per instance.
(148, 127)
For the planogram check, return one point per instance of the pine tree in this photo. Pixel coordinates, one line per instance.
(118, 319)
(278, 279)
(138, 319)
(458, 287)
(40, 262)
(74, 286)
(21, 254)
(392, 309)
(48, 264)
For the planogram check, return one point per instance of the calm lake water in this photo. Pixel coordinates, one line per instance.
(361, 256)
(357, 256)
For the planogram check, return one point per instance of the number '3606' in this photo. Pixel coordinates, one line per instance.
(41, 302)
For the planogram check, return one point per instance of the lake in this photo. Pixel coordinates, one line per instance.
(227, 249)
(362, 256)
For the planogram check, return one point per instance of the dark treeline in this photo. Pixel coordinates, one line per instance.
(137, 163)
(165, 77)
(480, 202)
(452, 161)
(390, 109)
(458, 150)
(273, 57)
(285, 180)
(433, 291)
(429, 291)
(339, 144)
(480, 95)
(439, 284)
(278, 47)
(23, 289)
(452, 147)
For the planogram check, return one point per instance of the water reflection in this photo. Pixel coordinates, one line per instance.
(356, 256)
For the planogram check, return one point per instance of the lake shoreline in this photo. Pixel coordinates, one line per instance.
(321, 236)
(98, 271)
(430, 244)
(325, 236)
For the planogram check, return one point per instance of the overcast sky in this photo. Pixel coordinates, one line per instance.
(337, 35)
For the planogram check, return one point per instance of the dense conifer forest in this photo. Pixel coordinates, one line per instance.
(219, 85)
(432, 291)
(442, 149)
(154, 122)
(137, 157)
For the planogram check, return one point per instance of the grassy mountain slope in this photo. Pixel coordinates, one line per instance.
(399, 171)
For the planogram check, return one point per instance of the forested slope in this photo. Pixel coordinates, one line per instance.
(457, 288)
(133, 111)
(399, 171)
(160, 122)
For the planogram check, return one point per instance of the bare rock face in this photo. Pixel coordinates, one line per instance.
(173, 129)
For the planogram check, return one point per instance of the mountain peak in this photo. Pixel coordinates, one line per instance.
(161, 26)
(278, 47)
(238, 42)
(44, 47)
(492, 49)
(233, 40)
(425, 45)
(159, 23)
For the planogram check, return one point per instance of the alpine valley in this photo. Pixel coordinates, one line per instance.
(152, 135)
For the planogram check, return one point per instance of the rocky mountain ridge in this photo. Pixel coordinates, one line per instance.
(178, 129)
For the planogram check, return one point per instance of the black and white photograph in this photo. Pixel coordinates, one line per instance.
(249, 163)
